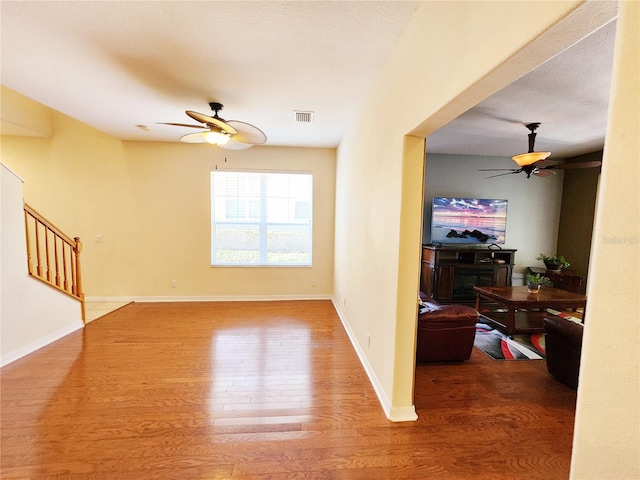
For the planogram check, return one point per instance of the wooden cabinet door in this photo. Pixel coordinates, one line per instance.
(502, 276)
(444, 283)
(426, 279)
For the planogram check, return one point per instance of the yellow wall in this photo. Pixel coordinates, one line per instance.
(150, 203)
(607, 432)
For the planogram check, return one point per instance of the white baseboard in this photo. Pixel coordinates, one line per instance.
(394, 414)
(403, 414)
(39, 343)
(207, 298)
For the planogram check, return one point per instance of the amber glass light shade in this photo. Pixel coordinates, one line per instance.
(530, 158)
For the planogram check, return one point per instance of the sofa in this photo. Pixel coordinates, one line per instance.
(445, 332)
(563, 343)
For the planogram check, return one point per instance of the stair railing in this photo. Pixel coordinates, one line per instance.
(57, 256)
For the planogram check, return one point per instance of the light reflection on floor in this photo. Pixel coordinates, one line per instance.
(261, 369)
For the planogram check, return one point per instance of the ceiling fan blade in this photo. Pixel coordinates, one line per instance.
(233, 145)
(181, 125)
(543, 172)
(193, 138)
(506, 173)
(571, 166)
(247, 133)
(498, 169)
(545, 163)
(211, 121)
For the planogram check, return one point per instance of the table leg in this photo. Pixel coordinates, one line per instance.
(511, 321)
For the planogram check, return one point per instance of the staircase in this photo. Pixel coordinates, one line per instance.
(57, 256)
(41, 298)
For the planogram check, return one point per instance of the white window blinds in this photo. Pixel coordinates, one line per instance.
(261, 218)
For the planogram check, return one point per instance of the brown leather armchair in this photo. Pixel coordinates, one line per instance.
(445, 332)
(563, 344)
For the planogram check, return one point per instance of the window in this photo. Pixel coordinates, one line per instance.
(261, 218)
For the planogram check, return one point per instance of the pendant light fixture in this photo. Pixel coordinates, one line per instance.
(531, 157)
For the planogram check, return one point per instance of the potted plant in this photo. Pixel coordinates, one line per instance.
(535, 281)
(554, 263)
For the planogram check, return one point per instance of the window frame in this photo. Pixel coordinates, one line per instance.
(262, 224)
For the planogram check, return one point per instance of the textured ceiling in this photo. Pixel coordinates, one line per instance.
(568, 95)
(115, 65)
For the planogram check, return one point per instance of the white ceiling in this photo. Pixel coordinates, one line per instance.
(116, 65)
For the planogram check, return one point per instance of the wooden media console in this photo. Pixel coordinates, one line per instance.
(449, 273)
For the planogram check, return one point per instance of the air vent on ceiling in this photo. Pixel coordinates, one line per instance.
(304, 117)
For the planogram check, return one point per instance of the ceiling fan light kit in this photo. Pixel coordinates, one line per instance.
(216, 138)
(525, 159)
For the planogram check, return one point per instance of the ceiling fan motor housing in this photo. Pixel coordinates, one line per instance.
(532, 135)
(216, 107)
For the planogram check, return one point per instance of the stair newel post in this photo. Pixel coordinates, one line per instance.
(78, 287)
(76, 250)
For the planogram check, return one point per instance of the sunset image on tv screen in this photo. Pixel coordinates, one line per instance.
(468, 220)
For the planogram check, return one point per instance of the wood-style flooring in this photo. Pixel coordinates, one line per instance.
(265, 390)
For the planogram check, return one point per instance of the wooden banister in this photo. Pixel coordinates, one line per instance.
(57, 255)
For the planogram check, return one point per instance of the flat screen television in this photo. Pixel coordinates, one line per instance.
(468, 220)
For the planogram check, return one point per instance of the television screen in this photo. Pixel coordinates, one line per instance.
(468, 220)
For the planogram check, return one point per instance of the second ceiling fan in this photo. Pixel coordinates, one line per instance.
(536, 163)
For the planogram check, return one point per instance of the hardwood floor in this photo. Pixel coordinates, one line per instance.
(265, 390)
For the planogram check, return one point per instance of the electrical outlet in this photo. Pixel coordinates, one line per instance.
(97, 238)
(314, 283)
(174, 284)
(368, 341)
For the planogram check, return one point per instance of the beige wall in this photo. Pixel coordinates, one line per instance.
(150, 203)
(607, 433)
